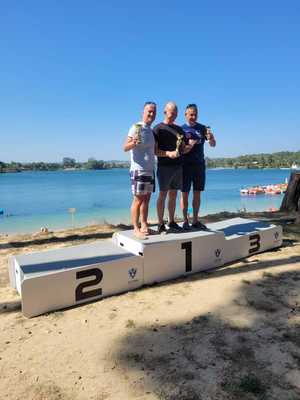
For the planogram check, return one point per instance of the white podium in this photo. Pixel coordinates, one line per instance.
(174, 254)
(244, 237)
(56, 279)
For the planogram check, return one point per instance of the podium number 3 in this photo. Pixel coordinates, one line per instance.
(254, 243)
(187, 246)
(83, 295)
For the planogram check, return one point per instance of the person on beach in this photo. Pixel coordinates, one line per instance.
(194, 165)
(140, 142)
(169, 147)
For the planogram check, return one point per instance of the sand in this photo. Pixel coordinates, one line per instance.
(233, 333)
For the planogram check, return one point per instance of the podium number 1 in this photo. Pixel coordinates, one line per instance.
(187, 246)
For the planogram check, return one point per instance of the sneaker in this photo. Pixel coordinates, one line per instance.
(186, 226)
(161, 228)
(174, 227)
(200, 226)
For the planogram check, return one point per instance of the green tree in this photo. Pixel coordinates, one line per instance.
(69, 162)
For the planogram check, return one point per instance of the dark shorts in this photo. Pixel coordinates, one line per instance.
(169, 177)
(142, 182)
(193, 174)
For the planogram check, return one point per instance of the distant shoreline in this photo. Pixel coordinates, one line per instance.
(284, 160)
(108, 227)
(12, 171)
(127, 166)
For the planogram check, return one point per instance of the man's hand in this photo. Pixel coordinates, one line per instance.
(130, 143)
(210, 137)
(192, 142)
(172, 154)
(211, 140)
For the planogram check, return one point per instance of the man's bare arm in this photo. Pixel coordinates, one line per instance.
(129, 144)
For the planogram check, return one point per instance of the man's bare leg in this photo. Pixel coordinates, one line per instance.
(172, 204)
(184, 203)
(160, 205)
(196, 205)
(135, 215)
(144, 213)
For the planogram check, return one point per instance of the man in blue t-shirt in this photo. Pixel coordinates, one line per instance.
(194, 165)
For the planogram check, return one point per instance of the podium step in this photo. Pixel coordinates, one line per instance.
(170, 255)
(55, 279)
(244, 237)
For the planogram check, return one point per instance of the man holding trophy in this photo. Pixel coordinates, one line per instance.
(140, 142)
(194, 165)
(170, 145)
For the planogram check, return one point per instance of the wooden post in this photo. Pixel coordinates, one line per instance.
(72, 211)
(291, 200)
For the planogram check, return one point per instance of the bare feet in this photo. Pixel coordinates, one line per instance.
(139, 234)
(145, 230)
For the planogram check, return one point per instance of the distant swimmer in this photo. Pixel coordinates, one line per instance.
(140, 143)
(194, 165)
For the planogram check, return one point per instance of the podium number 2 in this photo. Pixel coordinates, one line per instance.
(83, 295)
(187, 246)
(254, 243)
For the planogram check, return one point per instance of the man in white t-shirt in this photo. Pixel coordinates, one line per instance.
(140, 142)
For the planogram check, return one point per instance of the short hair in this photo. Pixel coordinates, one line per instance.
(149, 103)
(191, 105)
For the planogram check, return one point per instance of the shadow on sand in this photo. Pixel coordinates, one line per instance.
(214, 355)
(55, 239)
(10, 306)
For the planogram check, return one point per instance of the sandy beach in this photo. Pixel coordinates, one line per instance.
(231, 333)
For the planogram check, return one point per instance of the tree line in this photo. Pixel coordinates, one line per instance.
(283, 159)
(66, 164)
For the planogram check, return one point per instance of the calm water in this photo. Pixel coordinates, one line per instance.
(31, 200)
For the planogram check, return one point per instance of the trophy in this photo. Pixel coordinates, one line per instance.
(208, 133)
(179, 143)
(138, 133)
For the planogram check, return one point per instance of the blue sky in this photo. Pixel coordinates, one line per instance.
(74, 75)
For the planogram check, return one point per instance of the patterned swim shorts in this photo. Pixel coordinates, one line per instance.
(142, 182)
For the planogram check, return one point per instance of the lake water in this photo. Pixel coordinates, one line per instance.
(31, 200)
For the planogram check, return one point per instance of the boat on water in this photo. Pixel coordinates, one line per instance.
(293, 166)
(274, 189)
